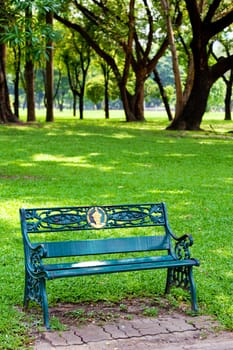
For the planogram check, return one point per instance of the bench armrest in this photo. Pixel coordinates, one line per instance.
(182, 246)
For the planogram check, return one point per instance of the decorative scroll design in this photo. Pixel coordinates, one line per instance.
(36, 256)
(179, 277)
(33, 290)
(182, 248)
(141, 215)
(55, 219)
(78, 218)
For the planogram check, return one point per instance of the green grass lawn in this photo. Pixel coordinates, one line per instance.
(94, 161)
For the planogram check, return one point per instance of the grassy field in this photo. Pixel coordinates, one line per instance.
(95, 161)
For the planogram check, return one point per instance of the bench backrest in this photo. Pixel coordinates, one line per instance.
(83, 218)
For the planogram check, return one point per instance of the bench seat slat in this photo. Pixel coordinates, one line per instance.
(109, 262)
(105, 246)
(106, 266)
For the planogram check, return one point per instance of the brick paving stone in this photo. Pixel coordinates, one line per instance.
(72, 338)
(55, 339)
(122, 330)
(175, 324)
(74, 347)
(92, 333)
(129, 329)
(205, 322)
(43, 346)
(103, 345)
(147, 328)
(171, 332)
(115, 331)
(180, 337)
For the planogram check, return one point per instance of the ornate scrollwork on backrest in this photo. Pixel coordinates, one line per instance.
(136, 215)
(86, 218)
(55, 219)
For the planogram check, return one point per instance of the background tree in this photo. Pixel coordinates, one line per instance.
(95, 90)
(49, 93)
(207, 20)
(128, 47)
(224, 48)
(62, 88)
(106, 73)
(228, 97)
(26, 36)
(6, 114)
(29, 63)
(216, 96)
(77, 57)
(13, 35)
(163, 93)
(169, 16)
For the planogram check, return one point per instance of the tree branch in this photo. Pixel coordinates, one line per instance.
(221, 67)
(194, 14)
(211, 12)
(91, 42)
(88, 14)
(217, 26)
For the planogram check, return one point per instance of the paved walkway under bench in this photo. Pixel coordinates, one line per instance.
(173, 332)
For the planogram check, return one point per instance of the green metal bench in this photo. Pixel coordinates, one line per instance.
(156, 247)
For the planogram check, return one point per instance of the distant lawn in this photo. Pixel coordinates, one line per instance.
(71, 162)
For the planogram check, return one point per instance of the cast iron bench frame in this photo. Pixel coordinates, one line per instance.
(53, 221)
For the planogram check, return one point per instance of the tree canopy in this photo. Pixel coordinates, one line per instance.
(131, 37)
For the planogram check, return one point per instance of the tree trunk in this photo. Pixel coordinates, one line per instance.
(74, 103)
(81, 105)
(81, 98)
(133, 104)
(106, 73)
(29, 80)
(6, 114)
(82, 84)
(29, 68)
(227, 100)
(163, 94)
(191, 117)
(17, 61)
(106, 101)
(175, 63)
(49, 73)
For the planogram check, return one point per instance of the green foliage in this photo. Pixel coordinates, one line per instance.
(151, 90)
(95, 89)
(217, 94)
(107, 162)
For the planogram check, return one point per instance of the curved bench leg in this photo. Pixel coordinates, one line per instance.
(44, 303)
(192, 289)
(26, 291)
(169, 281)
(35, 290)
(182, 277)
